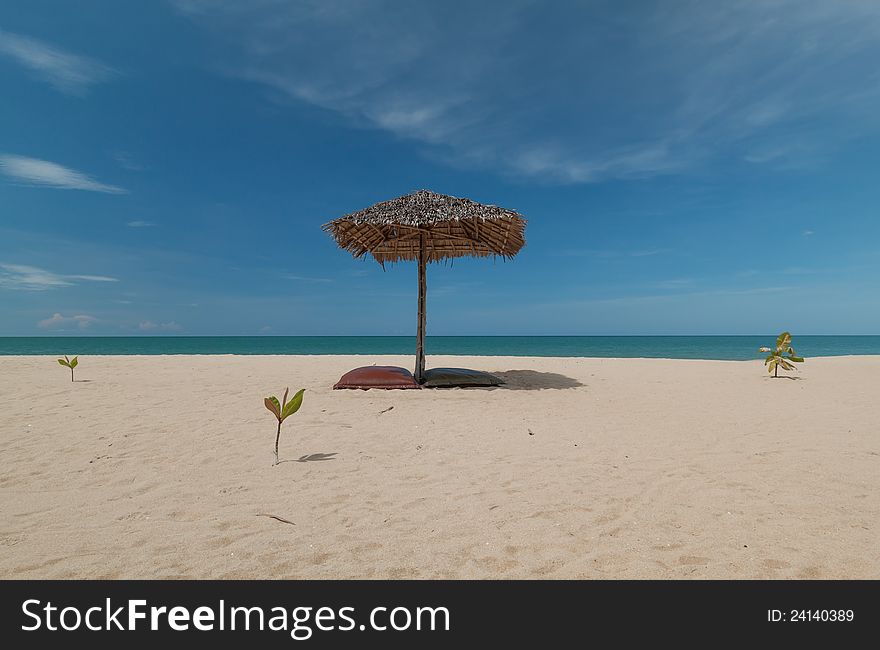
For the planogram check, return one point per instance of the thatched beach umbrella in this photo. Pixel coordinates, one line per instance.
(428, 227)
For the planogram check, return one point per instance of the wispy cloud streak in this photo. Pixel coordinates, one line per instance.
(60, 322)
(32, 278)
(67, 72)
(33, 171)
(151, 326)
(661, 88)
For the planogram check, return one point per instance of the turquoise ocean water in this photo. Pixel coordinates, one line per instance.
(669, 347)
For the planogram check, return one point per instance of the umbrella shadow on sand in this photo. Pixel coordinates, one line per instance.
(535, 380)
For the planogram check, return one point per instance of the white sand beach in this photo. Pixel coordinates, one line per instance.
(161, 467)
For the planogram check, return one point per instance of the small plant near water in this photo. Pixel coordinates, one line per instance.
(282, 410)
(69, 363)
(782, 355)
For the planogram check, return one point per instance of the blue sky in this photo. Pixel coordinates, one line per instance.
(685, 167)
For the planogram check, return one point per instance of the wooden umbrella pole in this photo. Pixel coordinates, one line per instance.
(423, 290)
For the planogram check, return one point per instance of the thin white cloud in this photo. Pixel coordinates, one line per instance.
(93, 278)
(609, 254)
(33, 171)
(676, 283)
(648, 252)
(808, 233)
(150, 326)
(623, 93)
(140, 224)
(32, 278)
(59, 322)
(303, 278)
(665, 297)
(67, 72)
(127, 161)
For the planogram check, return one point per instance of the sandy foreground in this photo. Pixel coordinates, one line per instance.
(161, 467)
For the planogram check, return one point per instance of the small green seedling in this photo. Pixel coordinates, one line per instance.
(69, 363)
(281, 410)
(781, 355)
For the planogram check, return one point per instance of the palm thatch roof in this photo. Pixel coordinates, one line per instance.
(391, 230)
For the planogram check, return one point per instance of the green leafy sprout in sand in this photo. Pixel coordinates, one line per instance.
(69, 363)
(783, 355)
(282, 410)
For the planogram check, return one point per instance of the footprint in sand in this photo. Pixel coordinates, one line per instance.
(691, 560)
(810, 573)
(668, 547)
(607, 518)
(775, 564)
